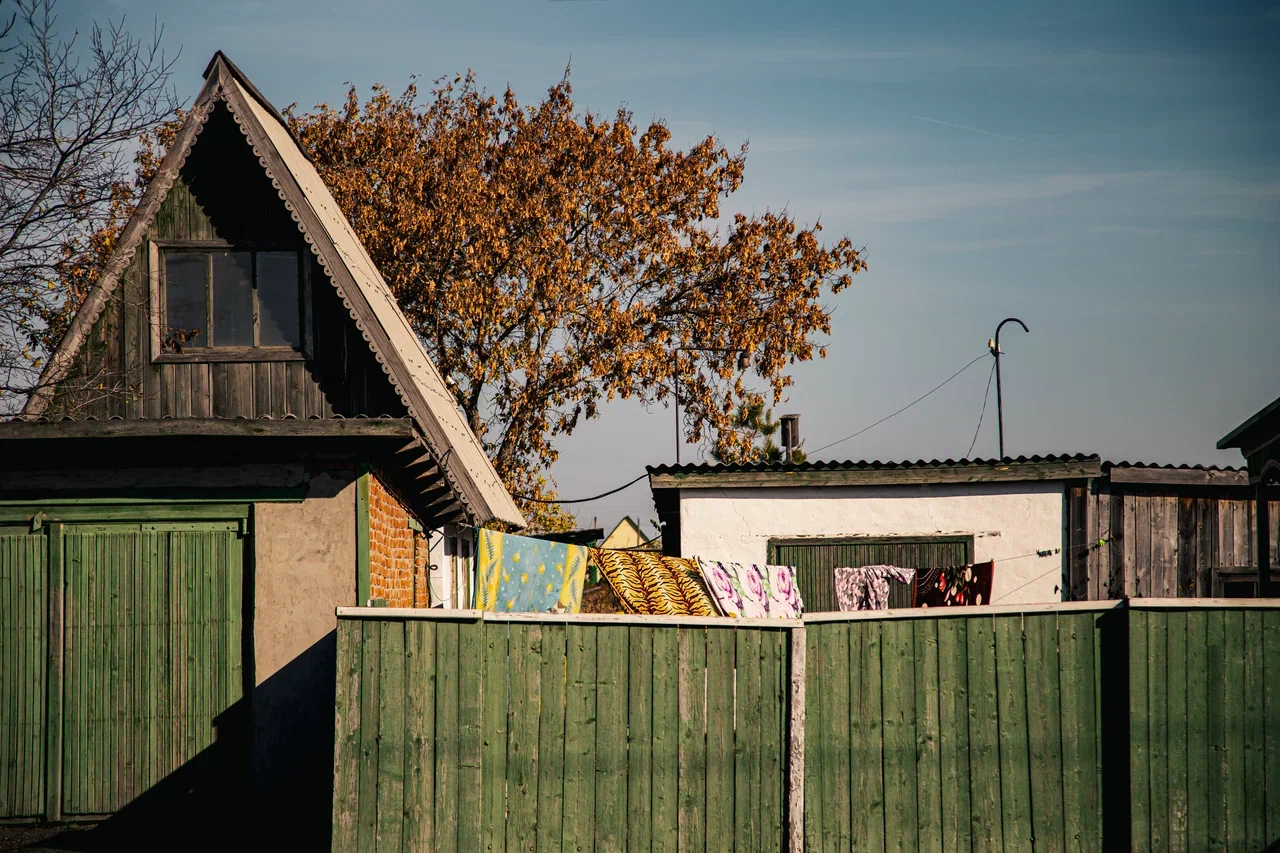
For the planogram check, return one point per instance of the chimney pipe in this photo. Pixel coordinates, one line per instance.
(790, 435)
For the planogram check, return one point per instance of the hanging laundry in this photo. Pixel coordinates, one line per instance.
(956, 586)
(522, 575)
(649, 583)
(748, 590)
(867, 587)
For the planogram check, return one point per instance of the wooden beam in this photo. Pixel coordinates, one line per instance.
(1179, 477)
(209, 427)
(998, 473)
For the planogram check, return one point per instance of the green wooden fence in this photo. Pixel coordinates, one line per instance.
(578, 736)
(1079, 727)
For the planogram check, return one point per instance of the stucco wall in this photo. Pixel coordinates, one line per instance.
(304, 562)
(1005, 520)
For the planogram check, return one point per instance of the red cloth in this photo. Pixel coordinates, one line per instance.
(955, 587)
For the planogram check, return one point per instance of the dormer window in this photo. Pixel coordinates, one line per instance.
(224, 301)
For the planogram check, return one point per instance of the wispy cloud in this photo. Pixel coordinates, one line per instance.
(1134, 230)
(970, 129)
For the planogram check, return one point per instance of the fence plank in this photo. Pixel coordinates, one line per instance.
(837, 831)
(773, 770)
(640, 747)
(497, 637)
(871, 686)
(420, 737)
(746, 747)
(1158, 727)
(901, 824)
(1139, 734)
(346, 752)
(1015, 769)
(447, 690)
(391, 753)
(552, 724)
(366, 832)
(953, 720)
(1271, 700)
(692, 764)
(666, 735)
(1216, 681)
(611, 737)
(1176, 643)
(815, 732)
(470, 735)
(1255, 779)
(1197, 731)
(1233, 725)
(720, 756)
(523, 709)
(1044, 735)
(984, 733)
(928, 737)
(580, 739)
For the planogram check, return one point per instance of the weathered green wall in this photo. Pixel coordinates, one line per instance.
(515, 736)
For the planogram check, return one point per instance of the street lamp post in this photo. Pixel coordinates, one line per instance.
(743, 363)
(995, 350)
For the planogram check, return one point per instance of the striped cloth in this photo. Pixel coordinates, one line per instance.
(651, 584)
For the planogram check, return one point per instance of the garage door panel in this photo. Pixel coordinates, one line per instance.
(23, 672)
(816, 560)
(152, 657)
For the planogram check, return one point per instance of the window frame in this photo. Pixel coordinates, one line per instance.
(159, 313)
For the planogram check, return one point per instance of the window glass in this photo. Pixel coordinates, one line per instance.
(278, 299)
(186, 324)
(233, 299)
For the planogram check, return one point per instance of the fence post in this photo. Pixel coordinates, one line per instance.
(795, 776)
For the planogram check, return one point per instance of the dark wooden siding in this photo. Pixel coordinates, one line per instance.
(1159, 543)
(223, 194)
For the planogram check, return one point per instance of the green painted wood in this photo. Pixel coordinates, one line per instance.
(898, 702)
(611, 737)
(1015, 766)
(23, 661)
(1197, 730)
(370, 704)
(522, 744)
(837, 830)
(470, 735)
(692, 762)
(773, 723)
(391, 737)
(580, 739)
(814, 733)
(721, 771)
(746, 746)
(1139, 734)
(1270, 645)
(1158, 727)
(497, 638)
(953, 723)
(346, 748)
(447, 720)
(1255, 779)
(1176, 714)
(1044, 730)
(1234, 725)
(55, 553)
(419, 736)
(665, 751)
(815, 560)
(1216, 683)
(640, 735)
(984, 738)
(928, 736)
(551, 740)
(869, 754)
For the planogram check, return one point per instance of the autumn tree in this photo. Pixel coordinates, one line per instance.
(72, 108)
(552, 259)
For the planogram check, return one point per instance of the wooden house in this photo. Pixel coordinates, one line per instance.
(1258, 439)
(239, 432)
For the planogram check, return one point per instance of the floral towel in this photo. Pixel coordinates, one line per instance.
(522, 575)
(649, 583)
(745, 589)
(867, 587)
(955, 587)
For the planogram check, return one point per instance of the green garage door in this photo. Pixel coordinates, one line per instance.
(152, 654)
(816, 559)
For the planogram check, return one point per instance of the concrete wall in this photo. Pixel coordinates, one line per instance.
(1005, 520)
(304, 559)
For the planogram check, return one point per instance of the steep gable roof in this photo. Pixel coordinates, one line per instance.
(455, 448)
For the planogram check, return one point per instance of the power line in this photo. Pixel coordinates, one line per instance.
(904, 408)
(983, 413)
(583, 500)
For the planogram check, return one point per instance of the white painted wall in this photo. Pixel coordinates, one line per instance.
(1005, 520)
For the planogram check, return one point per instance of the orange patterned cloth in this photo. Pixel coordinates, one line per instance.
(651, 584)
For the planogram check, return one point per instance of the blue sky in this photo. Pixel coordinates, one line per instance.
(1108, 172)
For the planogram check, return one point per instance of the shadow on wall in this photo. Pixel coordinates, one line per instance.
(210, 804)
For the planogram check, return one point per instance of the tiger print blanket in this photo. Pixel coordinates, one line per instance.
(651, 584)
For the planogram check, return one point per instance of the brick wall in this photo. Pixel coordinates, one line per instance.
(421, 562)
(391, 553)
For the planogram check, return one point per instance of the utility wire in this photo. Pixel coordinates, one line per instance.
(904, 408)
(981, 415)
(583, 500)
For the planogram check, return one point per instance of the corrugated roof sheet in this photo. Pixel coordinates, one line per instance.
(867, 465)
(1156, 466)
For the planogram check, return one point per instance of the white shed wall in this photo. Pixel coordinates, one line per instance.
(1005, 520)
